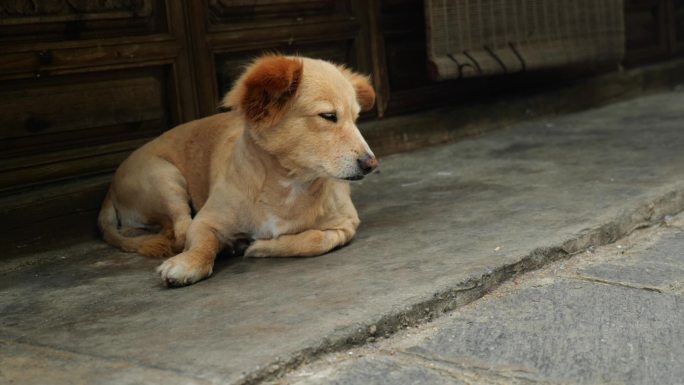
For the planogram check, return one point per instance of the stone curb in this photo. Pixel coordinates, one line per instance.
(648, 212)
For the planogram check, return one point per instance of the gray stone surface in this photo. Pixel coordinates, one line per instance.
(658, 266)
(381, 370)
(560, 332)
(570, 332)
(553, 326)
(434, 222)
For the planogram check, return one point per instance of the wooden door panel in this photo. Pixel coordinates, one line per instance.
(646, 30)
(47, 59)
(58, 20)
(65, 111)
(23, 172)
(679, 26)
(74, 125)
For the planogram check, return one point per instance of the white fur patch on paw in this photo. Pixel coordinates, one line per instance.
(179, 271)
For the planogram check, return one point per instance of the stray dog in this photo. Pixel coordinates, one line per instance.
(274, 169)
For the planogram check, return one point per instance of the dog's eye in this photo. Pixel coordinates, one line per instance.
(329, 116)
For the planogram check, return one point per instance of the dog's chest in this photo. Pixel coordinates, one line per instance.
(272, 227)
(276, 222)
(285, 219)
(292, 209)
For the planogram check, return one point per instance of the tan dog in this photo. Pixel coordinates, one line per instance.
(274, 169)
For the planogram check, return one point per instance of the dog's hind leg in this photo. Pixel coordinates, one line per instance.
(132, 236)
(155, 196)
(169, 189)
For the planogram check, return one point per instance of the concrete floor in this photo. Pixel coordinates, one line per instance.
(441, 227)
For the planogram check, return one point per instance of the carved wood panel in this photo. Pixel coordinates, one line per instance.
(57, 20)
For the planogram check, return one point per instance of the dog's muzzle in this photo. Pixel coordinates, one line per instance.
(365, 165)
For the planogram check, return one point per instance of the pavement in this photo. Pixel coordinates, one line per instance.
(441, 228)
(610, 315)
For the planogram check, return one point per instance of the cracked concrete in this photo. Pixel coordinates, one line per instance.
(605, 316)
(441, 228)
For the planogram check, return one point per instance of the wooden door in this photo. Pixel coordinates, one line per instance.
(82, 83)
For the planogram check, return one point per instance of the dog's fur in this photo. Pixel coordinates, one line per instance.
(273, 170)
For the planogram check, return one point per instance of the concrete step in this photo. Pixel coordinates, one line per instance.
(441, 227)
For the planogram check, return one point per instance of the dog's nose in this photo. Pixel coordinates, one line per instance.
(367, 163)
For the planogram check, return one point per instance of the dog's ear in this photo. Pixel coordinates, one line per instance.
(264, 90)
(365, 94)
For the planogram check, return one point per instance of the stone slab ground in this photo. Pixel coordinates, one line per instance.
(612, 315)
(441, 227)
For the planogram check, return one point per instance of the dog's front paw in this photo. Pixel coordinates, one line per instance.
(258, 248)
(183, 270)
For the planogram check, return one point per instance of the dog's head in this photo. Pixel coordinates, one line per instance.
(303, 111)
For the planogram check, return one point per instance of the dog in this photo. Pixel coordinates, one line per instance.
(274, 169)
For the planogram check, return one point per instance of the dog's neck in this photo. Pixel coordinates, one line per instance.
(274, 170)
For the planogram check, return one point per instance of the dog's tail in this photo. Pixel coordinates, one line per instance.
(150, 245)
